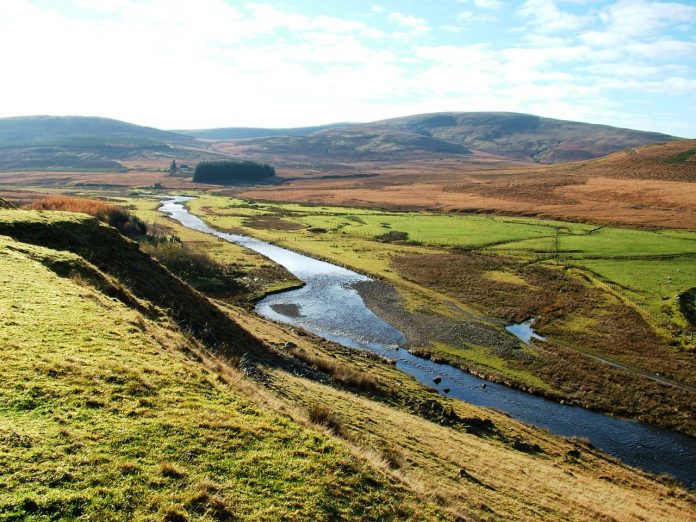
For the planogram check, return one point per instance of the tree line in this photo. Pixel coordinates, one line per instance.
(223, 172)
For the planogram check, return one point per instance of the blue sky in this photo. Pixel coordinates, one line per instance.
(213, 63)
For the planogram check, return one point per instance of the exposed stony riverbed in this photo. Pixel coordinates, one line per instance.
(421, 328)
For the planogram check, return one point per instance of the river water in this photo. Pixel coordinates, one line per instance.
(330, 307)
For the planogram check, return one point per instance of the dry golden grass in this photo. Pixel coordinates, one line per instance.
(95, 180)
(125, 222)
(93, 207)
(640, 187)
(637, 187)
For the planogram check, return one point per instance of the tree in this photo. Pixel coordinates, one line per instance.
(230, 172)
(172, 167)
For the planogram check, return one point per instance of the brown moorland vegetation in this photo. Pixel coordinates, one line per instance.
(124, 221)
(647, 186)
(651, 186)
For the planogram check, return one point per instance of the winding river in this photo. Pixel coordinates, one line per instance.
(330, 307)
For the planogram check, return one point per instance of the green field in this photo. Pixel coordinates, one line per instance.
(649, 268)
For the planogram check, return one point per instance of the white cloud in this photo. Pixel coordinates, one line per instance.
(544, 17)
(470, 17)
(184, 65)
(627, 21)
(465, 16)
(220, 63)
(413, 23)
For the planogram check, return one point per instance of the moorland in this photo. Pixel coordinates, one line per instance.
(139, 381)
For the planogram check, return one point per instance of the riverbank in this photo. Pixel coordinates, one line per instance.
(486, 351)
(425, 331)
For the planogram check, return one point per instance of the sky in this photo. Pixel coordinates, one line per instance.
(273, 63)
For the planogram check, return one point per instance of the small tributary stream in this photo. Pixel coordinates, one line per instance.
(330, 307)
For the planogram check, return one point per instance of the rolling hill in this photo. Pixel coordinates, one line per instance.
(82, 131)
(240, 133)
(74, 143)
(510, 135)
(524, 136)
(84, 143)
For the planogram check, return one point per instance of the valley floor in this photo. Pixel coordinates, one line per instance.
(598, 293)
(126, 395)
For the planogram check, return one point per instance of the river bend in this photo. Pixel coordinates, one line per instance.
(330, 307)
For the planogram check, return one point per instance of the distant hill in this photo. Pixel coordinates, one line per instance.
(511, 135)
(82, 131)
(524, 136)
(240, 133)
(353, 143)
(80, 143)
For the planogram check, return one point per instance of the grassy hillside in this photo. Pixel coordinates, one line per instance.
(671, 161)
(140, 280)
(107, 414)
(525, 136)
(113, 408)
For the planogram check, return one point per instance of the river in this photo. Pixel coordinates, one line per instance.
(330, 307)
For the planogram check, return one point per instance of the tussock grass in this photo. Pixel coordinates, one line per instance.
(117, 217)
(323, 416)
(197, 268)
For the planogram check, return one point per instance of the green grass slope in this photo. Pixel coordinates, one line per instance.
(108, 412)
(130, 275)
